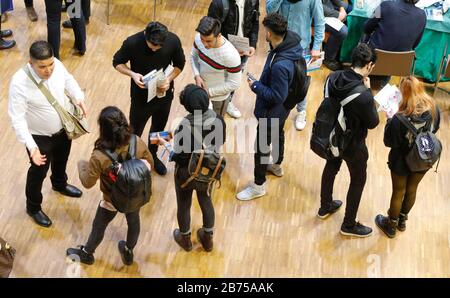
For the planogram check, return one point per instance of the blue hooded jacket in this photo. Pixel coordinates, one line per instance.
(273, 87)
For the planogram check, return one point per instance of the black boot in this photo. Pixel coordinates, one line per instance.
(402, 222)
(206, 239)
(183, 240)
(387, 225)
(6, 44)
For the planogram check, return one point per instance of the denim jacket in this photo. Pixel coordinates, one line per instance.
(300, 16)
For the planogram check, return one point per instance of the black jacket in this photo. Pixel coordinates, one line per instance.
(396, 137)
(361, 113)
(230, 25)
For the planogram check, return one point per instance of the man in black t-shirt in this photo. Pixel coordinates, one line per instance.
(152, 49)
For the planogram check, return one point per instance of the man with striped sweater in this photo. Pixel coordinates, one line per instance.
(216, 64)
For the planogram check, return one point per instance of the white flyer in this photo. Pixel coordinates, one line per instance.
(334, 23)
(389, 99)
(240, 43)
(151, 80)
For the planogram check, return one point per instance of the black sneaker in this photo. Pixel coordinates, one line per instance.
(324, 213)
(160, 168)
(125, 253)
(78, 254)
(358, 230)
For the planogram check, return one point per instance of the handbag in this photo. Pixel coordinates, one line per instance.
(7, 254)
(72, 121)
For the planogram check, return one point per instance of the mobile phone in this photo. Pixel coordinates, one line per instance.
(250, 77)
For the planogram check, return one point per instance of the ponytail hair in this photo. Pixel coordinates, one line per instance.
(415, 100)
(115, 131)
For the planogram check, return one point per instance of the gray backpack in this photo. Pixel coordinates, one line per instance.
(425, 148)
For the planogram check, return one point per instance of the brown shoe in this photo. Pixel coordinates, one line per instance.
(32, 15)
(183, 240)
(206, 239)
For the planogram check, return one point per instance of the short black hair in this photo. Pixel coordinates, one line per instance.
(276, 23)
(411, 1)
(362, 55)
(41, 50)
(156, 33)
(208, 26)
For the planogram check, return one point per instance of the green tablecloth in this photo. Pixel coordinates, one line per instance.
(429, 52)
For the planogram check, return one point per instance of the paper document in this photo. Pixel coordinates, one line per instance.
(334, 23)
(168, 71)
(315, 65)
(240, 43)
(389, 99)
(425, 3)
(434, 14)
(151, 80)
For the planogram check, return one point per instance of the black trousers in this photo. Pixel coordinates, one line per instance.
(53, 10)
(404, 189)
(184, 202)
(102, 219)
(28, 3)
(264, 138)
(357, 166)
(56, 149)
(141, 111)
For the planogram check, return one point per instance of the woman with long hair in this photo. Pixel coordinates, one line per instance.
(419, 109)
(115, 136)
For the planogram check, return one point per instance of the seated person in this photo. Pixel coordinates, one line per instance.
(396, 26)
(334, 9)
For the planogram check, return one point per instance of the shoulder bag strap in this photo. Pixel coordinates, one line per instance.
(408, 124)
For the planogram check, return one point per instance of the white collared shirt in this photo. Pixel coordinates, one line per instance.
(29, 109)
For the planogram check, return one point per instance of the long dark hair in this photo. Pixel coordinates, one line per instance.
(115, 131)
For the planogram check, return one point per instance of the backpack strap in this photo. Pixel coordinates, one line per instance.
(408, 124)
(197, 169)
(216, 170)
(111, 155)
(353, 94)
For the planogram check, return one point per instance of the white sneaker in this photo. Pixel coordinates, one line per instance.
(252, 191)
(300, 120)
(233, 111)
(275, 169)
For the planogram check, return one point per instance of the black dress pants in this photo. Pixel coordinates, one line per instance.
(141, 111)
(53, 10)
(357, 166)
(56, 149)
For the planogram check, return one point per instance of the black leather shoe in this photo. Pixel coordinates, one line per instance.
(160, 168)
(6, 44)
(69, 190)
(6, 33)
(67, 24)
(40, 218)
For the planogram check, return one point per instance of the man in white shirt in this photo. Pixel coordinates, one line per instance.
(241, 18)
(39, 127)
(216, 64)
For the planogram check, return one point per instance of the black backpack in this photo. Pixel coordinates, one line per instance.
(330, 135)
(298, 88)
(425, 148)
(130, 180)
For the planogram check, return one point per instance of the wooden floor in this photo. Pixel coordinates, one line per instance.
(278, 235)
